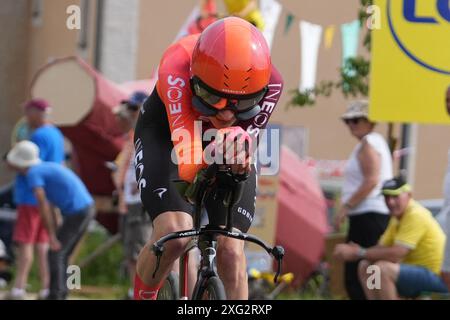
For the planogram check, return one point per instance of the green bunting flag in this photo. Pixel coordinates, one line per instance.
(289, 19)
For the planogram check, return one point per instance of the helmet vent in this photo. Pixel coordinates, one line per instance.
(226, 85)
(245, 86)
(249, 70)
(226, 67)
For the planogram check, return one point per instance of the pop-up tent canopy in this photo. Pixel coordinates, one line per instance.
(302, 221)
(82, 103)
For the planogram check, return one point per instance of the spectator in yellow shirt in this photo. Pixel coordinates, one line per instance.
(409, 254)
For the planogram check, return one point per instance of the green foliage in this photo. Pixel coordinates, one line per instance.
(355, 77)
(363, 16)
(308, 97)
(105, 269)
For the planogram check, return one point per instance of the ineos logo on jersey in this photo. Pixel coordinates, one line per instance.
(175, 94)
(267, 107)
(139, 166)
(261, 119)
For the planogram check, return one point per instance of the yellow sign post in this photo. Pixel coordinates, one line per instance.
(410, 75)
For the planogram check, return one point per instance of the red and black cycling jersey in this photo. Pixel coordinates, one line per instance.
(174, 90)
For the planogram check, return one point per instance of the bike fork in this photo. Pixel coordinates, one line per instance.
(208, 249)
(184, 270)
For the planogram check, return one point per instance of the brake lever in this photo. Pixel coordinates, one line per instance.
(277, 275)
(278, 253)
(158, 251)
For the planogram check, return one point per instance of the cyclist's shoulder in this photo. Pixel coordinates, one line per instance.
(178, 54)
(276, 77)
(174, 67)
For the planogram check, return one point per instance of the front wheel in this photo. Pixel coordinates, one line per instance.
(214, 290)
(169, 290)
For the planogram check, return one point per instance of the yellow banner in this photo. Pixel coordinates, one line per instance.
(410, 67)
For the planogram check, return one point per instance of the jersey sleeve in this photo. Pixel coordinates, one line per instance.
(254, 125)
(174, 90)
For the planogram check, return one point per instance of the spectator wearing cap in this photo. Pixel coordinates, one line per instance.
(135, 223)
(55, 186)
(369, 164)
(29, 231)
(409, 254)
(49, 138)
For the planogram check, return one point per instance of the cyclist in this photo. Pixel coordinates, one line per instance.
(224, 78)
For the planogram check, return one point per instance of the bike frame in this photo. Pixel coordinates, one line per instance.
(207, 244)
(206, 240)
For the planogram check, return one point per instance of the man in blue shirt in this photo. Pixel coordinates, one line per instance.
(55, 186)
(29, 231)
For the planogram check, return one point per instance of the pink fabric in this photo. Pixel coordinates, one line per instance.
(302, 222)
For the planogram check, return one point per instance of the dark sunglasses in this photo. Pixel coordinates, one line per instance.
(353, 120)
(209, 102)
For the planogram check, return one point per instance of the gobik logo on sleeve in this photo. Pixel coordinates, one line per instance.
(421, 18)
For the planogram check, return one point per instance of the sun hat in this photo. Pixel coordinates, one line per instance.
(24, 154)
(357, 109)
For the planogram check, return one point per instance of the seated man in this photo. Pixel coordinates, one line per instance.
(55, 186)
(409, 254)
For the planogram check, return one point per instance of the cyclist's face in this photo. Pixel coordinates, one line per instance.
(223, 119)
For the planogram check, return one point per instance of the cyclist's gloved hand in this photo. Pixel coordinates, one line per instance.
(232, 147)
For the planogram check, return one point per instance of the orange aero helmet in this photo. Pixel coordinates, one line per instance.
(232, 57)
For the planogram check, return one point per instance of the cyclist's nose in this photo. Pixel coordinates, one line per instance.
(225, 115)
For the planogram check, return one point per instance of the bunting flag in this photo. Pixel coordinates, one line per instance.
(289, 19)
(350, 39)
(310, 37)
(270, 10)
(329, 36)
